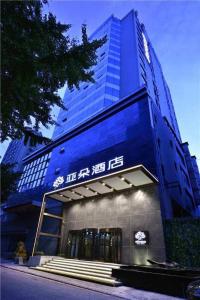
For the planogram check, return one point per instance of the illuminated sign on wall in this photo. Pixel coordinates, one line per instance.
(86, 172)
(141, 238)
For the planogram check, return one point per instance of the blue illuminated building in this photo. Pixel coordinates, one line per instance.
(16, 152)
(122, 127)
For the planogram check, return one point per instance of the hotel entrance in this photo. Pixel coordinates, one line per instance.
(95, 244)
(107, 200)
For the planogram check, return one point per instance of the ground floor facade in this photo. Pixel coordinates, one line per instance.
(104, 228)
(118, 226)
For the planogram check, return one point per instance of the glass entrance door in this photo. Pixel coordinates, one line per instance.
(73, 243)
(88, 243)
(93, 244)
(110, 244)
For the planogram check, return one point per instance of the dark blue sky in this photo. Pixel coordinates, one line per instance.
(174, 30)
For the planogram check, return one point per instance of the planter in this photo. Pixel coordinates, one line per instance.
(167, 281)
(19, 260)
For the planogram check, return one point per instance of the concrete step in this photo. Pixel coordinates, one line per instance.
(108, 281)
(85, 270)
(81, 266)
(78, 271)
(86, 262)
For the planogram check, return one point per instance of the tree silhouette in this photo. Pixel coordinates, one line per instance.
(38, 58)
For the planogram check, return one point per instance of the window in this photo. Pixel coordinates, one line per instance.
(115, 42)
(111, 91)
(100, 75)
(116, 49)
(180, 155)
(185, 176)
(113, 80)
(113, 61)
(113, 70)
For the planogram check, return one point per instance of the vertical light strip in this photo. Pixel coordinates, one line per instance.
(146, 48)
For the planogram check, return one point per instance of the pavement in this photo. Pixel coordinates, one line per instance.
(22, 283)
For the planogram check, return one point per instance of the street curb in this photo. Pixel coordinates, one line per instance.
(70, 283)
(83, 285)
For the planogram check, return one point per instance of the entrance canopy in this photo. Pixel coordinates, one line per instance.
(125, 179)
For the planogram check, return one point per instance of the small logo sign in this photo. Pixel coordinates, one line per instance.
(59, 180)
(141, 238)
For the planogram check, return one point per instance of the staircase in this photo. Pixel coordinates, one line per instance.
(81, 269)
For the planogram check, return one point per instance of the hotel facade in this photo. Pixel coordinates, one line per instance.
(116, 167)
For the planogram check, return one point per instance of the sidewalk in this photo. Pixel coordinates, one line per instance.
(122, 292)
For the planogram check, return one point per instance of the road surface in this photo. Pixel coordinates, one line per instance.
(16, 285)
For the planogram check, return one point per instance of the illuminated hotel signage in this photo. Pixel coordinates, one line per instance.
(99, 168)
(141, 238)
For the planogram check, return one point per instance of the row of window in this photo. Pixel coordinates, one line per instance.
(114, 50)
(183, 172)
(31, 185)
(34, 170)
(84, 87)
(114, 37)
(34, 173)
(114, 53)
(92, 93)
(37, 161)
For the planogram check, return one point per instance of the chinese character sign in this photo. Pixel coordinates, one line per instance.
(86, 172)
(115, 163)
(99, 168)
(71, 177)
